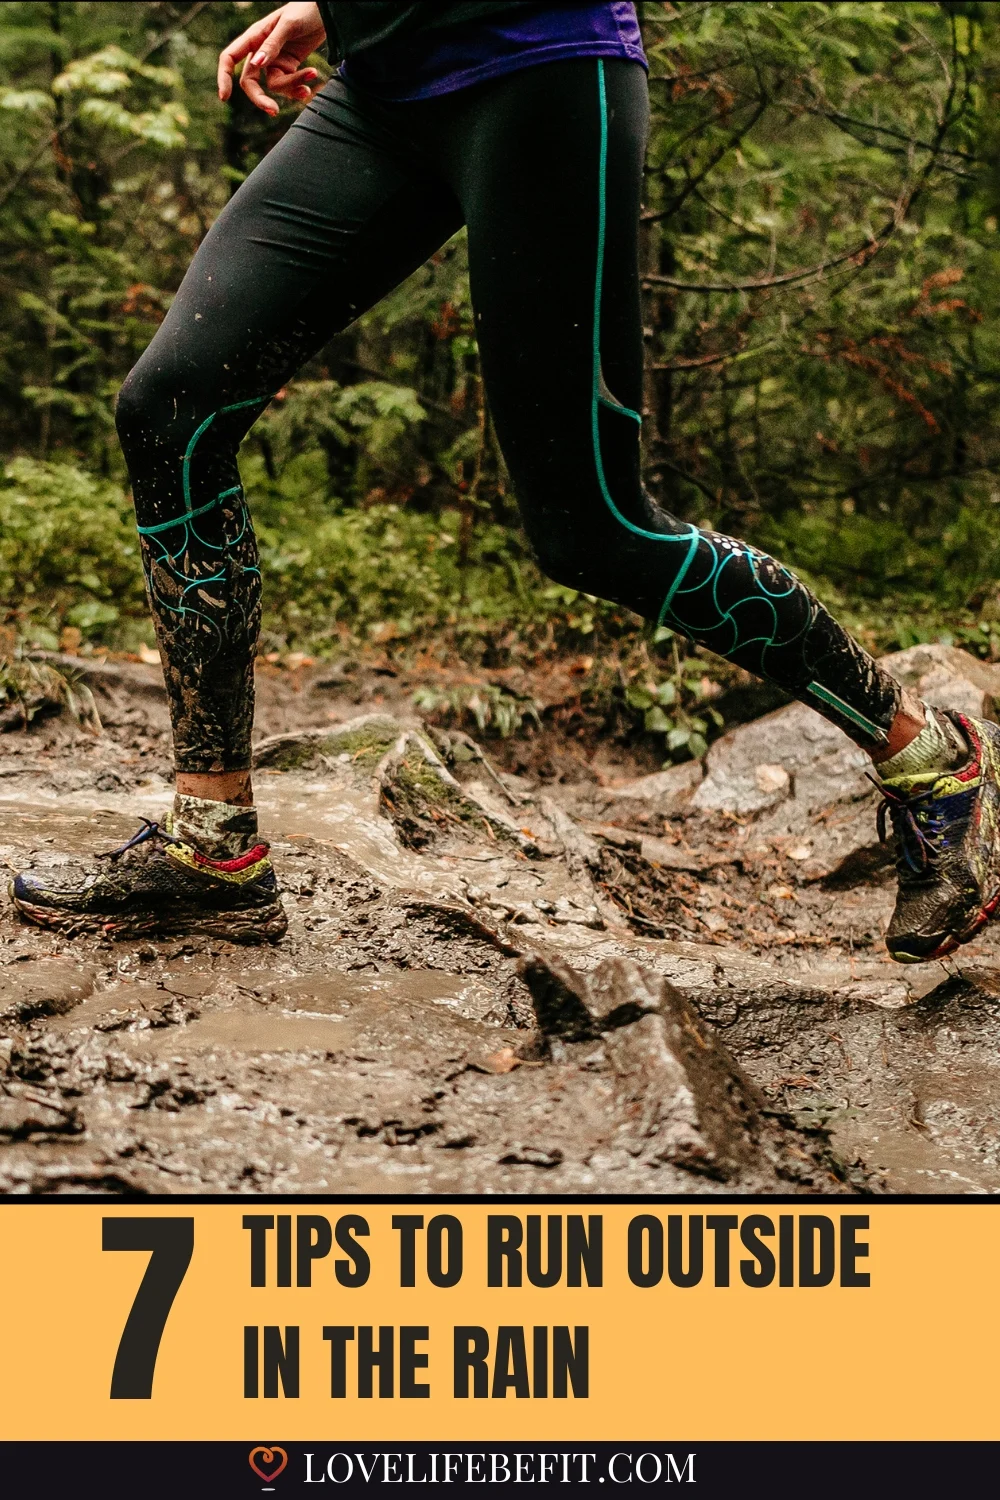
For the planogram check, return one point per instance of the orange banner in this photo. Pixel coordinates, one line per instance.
(500, 1320)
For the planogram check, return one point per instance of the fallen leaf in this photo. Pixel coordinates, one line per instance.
(504, 1060)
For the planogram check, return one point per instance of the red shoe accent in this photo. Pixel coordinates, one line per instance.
(974, 767)
(951, 943)
(258, 852)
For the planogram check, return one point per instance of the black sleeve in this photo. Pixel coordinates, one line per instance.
(326, 16)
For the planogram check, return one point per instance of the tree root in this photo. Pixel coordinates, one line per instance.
(386, 776)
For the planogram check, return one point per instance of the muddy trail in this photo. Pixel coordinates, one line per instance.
(564, 976)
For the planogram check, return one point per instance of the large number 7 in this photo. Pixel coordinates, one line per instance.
(172, 1242)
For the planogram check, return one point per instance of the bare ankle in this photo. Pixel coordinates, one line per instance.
(911, 717)
(217, 786)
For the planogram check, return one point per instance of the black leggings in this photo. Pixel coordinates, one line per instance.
(545, 168)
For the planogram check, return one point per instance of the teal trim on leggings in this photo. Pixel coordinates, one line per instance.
(171, 560)
(597, 400)
(830, 700)
(189, 514)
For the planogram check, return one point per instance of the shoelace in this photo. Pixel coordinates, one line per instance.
(924, 831)
(150, 830)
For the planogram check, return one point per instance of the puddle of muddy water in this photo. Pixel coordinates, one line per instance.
(238, 1031)
(333, 993)
(50, 831)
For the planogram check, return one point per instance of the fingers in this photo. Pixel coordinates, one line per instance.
(247, 41)
(261, 48)
(263, 60)
(251, 87)
(283, 76)
(293, 85)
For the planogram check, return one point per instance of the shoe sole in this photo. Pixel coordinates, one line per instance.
(266, 924)
(952, 942)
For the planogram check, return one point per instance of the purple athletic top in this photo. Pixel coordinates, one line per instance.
(440, 61)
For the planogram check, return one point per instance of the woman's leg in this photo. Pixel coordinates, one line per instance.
(549, 170)
(328, 223)
(336, 215)
(548, 167)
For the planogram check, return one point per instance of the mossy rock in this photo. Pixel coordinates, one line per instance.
(363, 741)
(423, 807)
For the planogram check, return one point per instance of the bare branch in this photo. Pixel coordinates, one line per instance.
(664, 463)
(844, 121)
(859, 255)
(703, 361)
(693, 183)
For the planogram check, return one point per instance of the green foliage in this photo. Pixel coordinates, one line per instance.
(366, 430)
(387, 573)
(821, 273)
(673, 701)
(68, 547)
(817, 165)
(489, 707)
(109, 71)
(102, 198)
(372, 411)
(31, 690)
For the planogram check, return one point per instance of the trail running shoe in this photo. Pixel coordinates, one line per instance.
(158, 884)
(947, 828)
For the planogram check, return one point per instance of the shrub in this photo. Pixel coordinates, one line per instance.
(68, 546)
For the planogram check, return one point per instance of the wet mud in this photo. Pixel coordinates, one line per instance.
(670, 983)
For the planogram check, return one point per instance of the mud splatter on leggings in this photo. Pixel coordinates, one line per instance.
(544, 167)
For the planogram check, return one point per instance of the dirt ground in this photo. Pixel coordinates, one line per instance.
(551, 968)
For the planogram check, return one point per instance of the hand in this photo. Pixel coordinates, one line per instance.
(275, 46)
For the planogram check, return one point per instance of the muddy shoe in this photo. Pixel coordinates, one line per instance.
(159, 884)
(947, 828)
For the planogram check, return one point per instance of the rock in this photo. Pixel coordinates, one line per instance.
(664, 791)
(802, 776)
(558, 994)
(681, 1099)
(389, 1041)
(29, 1114)
(360, 742)
(773, 781)
(791, 755)
(947, 677)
